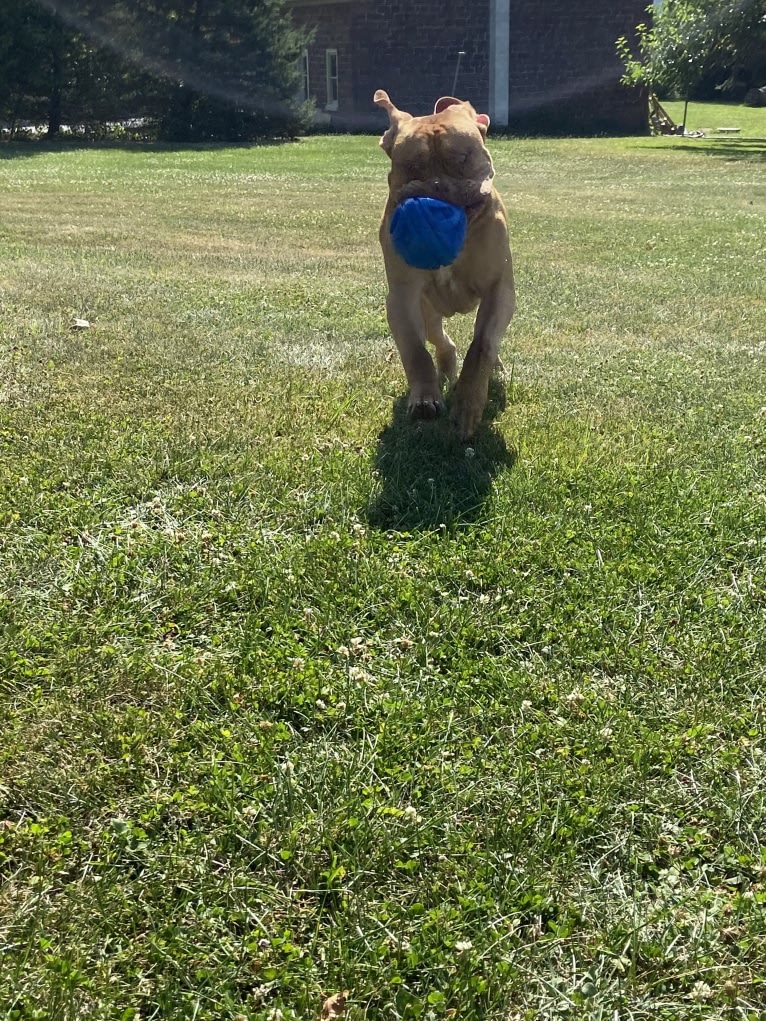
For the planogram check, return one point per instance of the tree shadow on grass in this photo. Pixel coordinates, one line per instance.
(750, 149)
(29, 148)
(428, 477)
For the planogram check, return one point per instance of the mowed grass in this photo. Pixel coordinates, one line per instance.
(300, 697)
(710, 117)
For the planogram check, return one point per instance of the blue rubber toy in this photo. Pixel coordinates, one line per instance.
(428, 233)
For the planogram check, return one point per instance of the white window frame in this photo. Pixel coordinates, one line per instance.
(331, 80)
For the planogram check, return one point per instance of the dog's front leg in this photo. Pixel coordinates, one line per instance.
(494, 315)
(405, 318)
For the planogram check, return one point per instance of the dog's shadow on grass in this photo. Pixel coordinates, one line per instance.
(428, 478)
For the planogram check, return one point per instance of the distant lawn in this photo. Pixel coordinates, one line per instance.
(710, 116)
(297, 696)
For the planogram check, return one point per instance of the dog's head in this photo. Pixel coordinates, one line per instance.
(441, 156)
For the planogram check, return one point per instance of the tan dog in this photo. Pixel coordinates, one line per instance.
(443, 156)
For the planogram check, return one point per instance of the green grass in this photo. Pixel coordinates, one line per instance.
(297, 696)
(709, 117)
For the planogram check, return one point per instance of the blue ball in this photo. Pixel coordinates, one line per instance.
(428, 233)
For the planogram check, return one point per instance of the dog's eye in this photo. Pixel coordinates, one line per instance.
(412, 170)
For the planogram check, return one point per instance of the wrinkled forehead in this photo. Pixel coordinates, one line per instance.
(437, 135)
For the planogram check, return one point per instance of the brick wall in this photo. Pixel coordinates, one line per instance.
(564, 70)
(407, 48)
(410, 49)
(332, 28)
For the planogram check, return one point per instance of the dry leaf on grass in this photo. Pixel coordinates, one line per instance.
(335, 1006)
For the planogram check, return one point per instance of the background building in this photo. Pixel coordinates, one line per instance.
(533, 65)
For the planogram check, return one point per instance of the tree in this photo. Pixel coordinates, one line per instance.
(688, 41)
(33, 57)
(225, 69)
(200, 69)
(51, 73)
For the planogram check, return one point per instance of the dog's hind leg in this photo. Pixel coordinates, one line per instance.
(408, 327)
(446, 352)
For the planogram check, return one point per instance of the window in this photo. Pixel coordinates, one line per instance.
(303, 71)
(331, 63)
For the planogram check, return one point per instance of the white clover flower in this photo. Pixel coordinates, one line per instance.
(701, 991)
(259, 994)
(463, 946)
(411, 814)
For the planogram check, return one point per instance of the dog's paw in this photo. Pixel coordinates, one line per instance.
(425, 407)
(466, 417)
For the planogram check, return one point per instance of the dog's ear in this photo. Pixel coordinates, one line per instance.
(395, 118)
(482, 119)
(445, 102)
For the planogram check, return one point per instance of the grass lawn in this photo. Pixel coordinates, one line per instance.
(297, 696)
(709, 117)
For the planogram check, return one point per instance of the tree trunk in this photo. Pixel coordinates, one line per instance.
(182, 106)
(55, 99)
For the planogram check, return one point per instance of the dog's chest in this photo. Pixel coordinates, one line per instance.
(449, 290)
